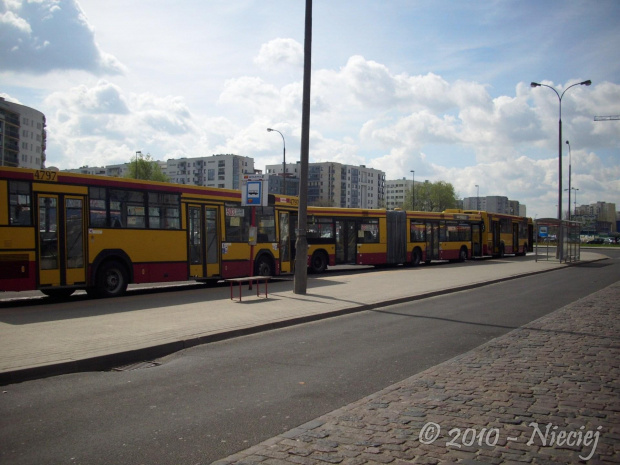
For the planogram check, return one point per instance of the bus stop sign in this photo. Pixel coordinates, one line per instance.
(254, 191)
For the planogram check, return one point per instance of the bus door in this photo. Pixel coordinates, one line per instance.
(476, 238)
(432, 240)
(286, 247)
(346, 242)
(203, 241)
(496, 230)
(515, 238)
(60, 242)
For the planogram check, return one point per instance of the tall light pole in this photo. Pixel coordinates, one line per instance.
(559, 251)
(138, 152)
(413, 190)
(283, 160)
(300, 283)
(570, 163)
(575, 189)
(477, 197)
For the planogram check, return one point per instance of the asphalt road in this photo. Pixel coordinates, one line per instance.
(211, 401)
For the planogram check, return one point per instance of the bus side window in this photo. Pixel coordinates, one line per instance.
(20, 204)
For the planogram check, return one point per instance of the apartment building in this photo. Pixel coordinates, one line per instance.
(599, 217)
(338, 185)
(117, 171)
(224, 171)
(396, 193)
(22, 136)
(495, 204)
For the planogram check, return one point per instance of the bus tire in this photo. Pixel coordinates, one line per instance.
(416, 257)
(264, 266)
(111, 280)
(318, 262)
(463, 254)
(58, 294)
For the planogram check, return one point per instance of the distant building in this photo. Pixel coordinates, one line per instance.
(597, 218)
(495, 204)
(329, 184)
(22, 136)
(276, 183)
(94, 170)
(224, 171)
(396, 192)
(338, 185)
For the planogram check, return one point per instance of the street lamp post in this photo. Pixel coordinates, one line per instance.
(570, 163)
(559, 252)
(138, 152)
(477, 197)
(413, 190)
(575, 189)
(300, 283)
(283, 160)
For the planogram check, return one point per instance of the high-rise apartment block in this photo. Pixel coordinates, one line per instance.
(225, 171)
(495, 204)
(599, 217)
(215, 171)
(22, 136)
(338, 185)
(396, 193)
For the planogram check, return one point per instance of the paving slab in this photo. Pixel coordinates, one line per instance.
(78, 335)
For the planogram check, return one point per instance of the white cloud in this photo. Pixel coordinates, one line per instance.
(46, 35)
(280, 52)
(417, 87)
(101, 125)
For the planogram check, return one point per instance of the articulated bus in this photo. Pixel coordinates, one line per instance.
(379, 237)
(498, 234)
(61, 232)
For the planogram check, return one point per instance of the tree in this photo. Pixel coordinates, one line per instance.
(432, 196)
(144, 167)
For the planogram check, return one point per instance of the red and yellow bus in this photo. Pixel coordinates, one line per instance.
(441, 236)
(339, 236)
(498, 234)
(62, 231)
(379, 237)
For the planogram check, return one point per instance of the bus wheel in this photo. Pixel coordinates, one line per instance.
(58, 293)
(463, 254)
(111, 280)
(264, 266)
(416, 258)
(318, 263)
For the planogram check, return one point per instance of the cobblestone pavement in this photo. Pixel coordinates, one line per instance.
(548, 392)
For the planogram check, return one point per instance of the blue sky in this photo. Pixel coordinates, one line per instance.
(440, 87)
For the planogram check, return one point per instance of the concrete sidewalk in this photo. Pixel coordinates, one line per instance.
(64, 337)
(548, 392)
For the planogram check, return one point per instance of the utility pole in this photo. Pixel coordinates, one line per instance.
(301, 258)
